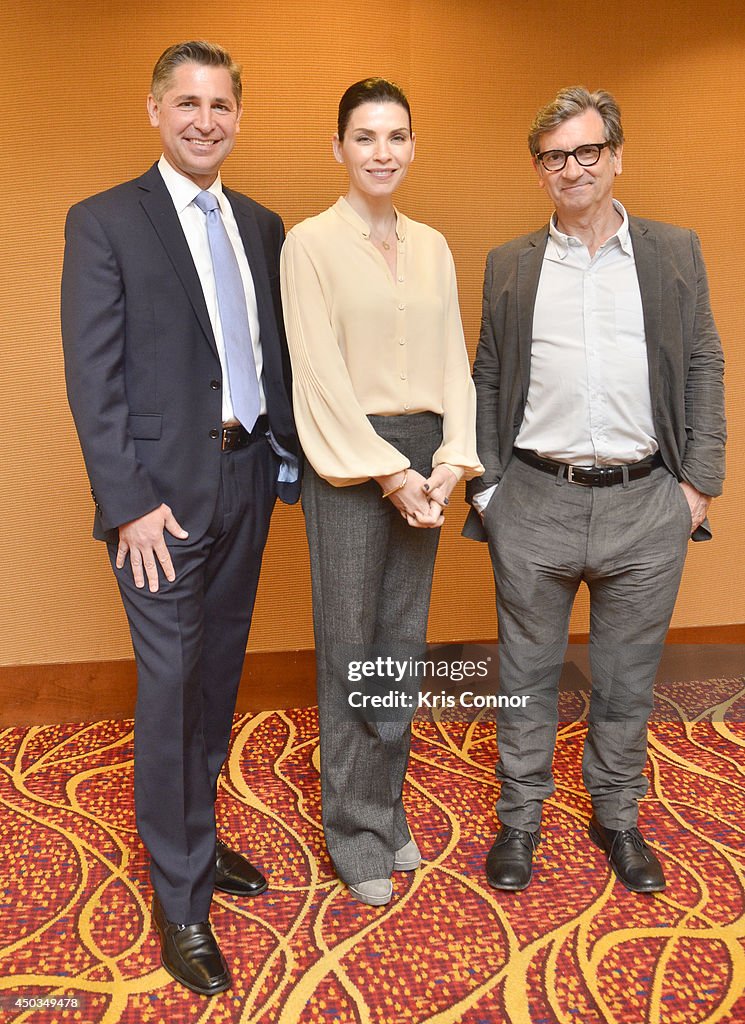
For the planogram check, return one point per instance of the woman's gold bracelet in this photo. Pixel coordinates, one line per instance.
(399, 488)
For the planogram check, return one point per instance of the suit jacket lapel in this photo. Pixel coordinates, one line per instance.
(648, 271)
(529, 266)
(158, 206)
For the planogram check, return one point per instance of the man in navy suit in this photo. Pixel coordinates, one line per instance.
(183, 489)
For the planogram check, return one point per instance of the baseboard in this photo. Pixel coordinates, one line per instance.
(91, 691)
(732, 633)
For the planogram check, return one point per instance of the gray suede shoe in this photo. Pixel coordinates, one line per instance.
(408, 858)
(375, 891)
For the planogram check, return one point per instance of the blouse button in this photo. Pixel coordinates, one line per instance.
(402, 341)
(402, 305)
(403, 376)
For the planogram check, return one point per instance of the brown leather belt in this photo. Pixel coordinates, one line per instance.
(237, 437)
(590, 476)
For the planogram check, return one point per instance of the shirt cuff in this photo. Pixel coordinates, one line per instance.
(289, 468)
(482, 499)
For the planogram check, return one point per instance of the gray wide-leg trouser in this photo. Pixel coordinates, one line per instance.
(372, 579)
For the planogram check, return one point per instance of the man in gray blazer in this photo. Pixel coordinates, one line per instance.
(179, 381)
(599, 376)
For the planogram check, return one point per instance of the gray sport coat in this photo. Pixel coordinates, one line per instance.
(686, 363)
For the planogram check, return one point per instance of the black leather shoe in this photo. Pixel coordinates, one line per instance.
(190, 954)
(235, 875)
(633, 863)
(509, 864)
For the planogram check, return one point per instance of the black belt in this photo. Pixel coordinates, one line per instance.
(590, 476)
(237, 437)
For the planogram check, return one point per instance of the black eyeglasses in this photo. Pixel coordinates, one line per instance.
(586, 156)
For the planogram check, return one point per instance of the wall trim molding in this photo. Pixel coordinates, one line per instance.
(92, 691)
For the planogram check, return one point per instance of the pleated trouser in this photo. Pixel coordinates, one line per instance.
(628, 544)
(372, 580)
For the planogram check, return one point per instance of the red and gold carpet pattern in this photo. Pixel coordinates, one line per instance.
(575, 947)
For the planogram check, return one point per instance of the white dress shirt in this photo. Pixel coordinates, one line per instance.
(183, 191)
(589, 402)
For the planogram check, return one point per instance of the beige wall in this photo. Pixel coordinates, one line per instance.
(74, 77)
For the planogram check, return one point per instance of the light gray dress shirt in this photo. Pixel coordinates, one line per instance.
(588, 401)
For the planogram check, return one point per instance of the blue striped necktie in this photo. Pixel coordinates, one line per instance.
(231, 305)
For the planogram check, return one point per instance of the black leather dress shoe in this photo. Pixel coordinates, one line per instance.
(190, 954)
(633, 863)
(509, 864)
(235, 875)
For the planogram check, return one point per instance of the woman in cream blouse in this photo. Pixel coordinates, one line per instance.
(385, 411)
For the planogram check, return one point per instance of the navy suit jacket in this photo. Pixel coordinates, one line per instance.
(143, 374)
(683, 351)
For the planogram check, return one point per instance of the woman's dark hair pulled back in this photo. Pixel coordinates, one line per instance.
(369, 90)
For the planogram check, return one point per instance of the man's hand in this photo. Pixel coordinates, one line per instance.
(411, 500)
(697, 502)
(143, 540)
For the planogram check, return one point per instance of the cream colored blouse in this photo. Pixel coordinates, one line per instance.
(362, 343)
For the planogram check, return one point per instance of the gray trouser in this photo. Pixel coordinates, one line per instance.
(628, 543)
(372, 579)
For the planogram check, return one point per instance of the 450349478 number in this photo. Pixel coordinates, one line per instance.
(14, 1001)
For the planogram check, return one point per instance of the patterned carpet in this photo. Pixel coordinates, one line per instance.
(575, 947)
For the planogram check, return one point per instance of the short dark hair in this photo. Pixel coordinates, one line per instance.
(369, 90)
(194, 52)
(570, 102)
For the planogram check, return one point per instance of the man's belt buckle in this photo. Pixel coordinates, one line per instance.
(230, 437)
(599, 476)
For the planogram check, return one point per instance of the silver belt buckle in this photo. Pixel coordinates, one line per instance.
(570, 474)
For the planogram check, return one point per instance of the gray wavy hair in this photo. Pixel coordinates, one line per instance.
(569, 102)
